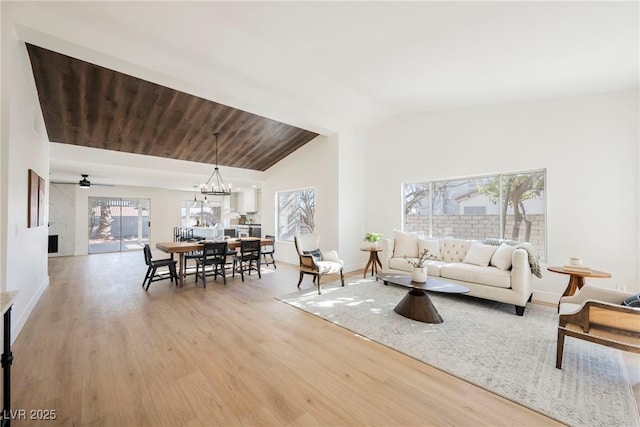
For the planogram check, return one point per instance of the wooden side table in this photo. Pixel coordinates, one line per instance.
(576, 278)
(374, 261)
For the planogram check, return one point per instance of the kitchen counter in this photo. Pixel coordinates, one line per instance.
(248, 230)
(203, 232)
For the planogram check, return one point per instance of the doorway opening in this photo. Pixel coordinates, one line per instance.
(118, 224)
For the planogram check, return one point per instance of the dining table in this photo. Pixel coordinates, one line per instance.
(183, 247)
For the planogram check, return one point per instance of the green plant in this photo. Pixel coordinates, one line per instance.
(372, 237)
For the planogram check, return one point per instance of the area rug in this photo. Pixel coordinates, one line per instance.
(485, 343)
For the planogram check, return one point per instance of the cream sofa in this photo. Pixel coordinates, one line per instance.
(499, 273)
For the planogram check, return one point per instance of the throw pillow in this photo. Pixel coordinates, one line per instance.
(316, 254)
(479, 254)
(632, 301)
(501, 258)
(406, 244)
(432, 245)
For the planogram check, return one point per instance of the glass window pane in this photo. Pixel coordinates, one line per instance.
(295, 213)
(201, 213)
(505, 206)
(117, 224)
(416, 207)
(524, 207)
(466, 208)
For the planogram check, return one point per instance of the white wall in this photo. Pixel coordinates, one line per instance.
(24, 146)
(69, 206)
(589, 146)
(313, 165)
(164, 211)
(334, 166)
(351, 212)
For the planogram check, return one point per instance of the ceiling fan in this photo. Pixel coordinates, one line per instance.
(83, 183)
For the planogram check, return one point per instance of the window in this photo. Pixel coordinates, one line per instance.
(475, 210)
(200, 213)
(506, 206)
(118, 224)
(295, 211)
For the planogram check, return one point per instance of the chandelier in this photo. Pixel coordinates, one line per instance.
(215, 184)
(197, 202)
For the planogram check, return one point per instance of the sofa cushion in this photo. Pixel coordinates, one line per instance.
(328, 267)
(479, 254)
(399, 264)
(454, 250)
(432, 245)
(490, 276)
(406, 244)
(501, 258)
(433, 268)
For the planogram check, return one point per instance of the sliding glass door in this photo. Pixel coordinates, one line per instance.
(118, 224)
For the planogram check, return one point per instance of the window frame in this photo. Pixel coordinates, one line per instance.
(286, 232)
(428, 204)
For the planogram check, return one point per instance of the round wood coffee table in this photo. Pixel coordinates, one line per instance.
(416, 304)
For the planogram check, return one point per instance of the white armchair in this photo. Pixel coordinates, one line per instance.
(315, 262)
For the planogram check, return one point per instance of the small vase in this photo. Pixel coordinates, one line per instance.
(374, 245)
(419, 274)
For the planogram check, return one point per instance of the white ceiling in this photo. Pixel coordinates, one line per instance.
(328, 66)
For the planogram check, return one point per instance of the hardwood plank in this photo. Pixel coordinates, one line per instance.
(89, 105)
(102, 351)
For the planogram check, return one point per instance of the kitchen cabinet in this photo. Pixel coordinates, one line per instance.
(246, 201)
(249, 201)
(234, 202)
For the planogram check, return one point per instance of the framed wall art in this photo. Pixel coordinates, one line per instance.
(35, 203)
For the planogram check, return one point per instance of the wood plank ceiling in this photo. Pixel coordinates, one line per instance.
(92, 106)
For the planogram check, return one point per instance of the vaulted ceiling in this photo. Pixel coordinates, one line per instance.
(330, 68)
(91, 106)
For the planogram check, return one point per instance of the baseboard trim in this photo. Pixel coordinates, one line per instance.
(547, 298)
(18, 324)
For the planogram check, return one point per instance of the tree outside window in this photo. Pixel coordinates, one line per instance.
(517, 195)
(506, 206)
(295, 213)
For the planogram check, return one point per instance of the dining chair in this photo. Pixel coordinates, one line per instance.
(152, 274)
(212, 261)
(186, 234)
(231, 255)
(192, 255)
(248, 258)
(269, 250)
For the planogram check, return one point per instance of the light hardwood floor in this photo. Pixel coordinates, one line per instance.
(103, 352)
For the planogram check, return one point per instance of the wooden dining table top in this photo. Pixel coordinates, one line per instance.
(178, 247)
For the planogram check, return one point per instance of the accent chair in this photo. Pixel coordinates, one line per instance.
(598, 315)
(315, 262)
